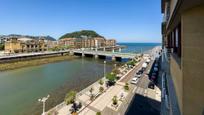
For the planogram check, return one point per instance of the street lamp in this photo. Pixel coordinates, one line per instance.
(115, 65)
(104, 68)
(43, 100)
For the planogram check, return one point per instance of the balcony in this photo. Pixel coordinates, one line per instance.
(163, 27)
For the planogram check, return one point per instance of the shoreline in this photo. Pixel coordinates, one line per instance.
(33, 62)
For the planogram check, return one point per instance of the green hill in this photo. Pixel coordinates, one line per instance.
(80, 34)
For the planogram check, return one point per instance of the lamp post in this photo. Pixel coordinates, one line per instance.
(104, 68)
(115, 65)
(43, 100)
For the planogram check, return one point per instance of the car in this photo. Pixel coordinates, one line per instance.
(141, 71)
(151, 85)
(154, 74)
(138, 74)
(134, 80)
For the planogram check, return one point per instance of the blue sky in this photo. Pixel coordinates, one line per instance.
(124, 20)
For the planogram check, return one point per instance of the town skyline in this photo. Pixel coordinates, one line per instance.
(57, 19)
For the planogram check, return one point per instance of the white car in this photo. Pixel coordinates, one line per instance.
(134, 80)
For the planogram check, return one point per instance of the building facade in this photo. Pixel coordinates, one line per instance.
(183, 37)
(87, 42)
(16, 45)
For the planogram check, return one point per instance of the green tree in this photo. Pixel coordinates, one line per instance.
(115, 100)
(98, 113)
(101, 89)
(70, 97)
(111, 77)
(101, 82)
(115, 71)
(91, 92)
(126, 87)
(80, 34)
(1, 46)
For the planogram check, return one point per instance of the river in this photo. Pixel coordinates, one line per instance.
(20, 89)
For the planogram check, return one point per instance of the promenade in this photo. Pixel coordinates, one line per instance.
(103, 101)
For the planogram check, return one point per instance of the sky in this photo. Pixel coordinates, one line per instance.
(123, 20)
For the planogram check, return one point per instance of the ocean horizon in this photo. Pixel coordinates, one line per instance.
(138, 47)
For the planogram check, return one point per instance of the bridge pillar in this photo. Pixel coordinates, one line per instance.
(71, 53)
(120, 49)
(104, 49)
(96, 56)
(113, 50)
(113, 58)
(83, 54)
(96, 49)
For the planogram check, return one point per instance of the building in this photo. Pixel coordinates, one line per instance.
(20, 45)
(183, 37)
(86, 42)
(111, 42)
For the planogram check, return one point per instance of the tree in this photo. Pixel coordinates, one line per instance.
(115, 100)
(101, 89)
(111, 79)
(131, 63)
(1, 46)
(70, 97)
(91, 92)
(80, 34)
(101, 82)
(115, 71)
(126, 87)
(98, 113)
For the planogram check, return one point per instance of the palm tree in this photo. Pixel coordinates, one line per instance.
(70, 97)
(91, 92)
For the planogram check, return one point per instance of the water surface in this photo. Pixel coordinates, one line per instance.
(21, 88)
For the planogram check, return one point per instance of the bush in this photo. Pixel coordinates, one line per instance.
(115, 100)
(101, 89)
(111, 77)
(98, 113)
(1, 46)
(126, 87)
(70, 97)
(101, 82)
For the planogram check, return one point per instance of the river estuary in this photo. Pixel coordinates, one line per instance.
(21, 88)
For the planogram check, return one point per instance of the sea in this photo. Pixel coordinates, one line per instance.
(138, 47)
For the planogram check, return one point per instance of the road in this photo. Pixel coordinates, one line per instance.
(142, 104)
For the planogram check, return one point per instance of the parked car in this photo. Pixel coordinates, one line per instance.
(138, 74)
(154, 74)
(151, 85)
(134, 80)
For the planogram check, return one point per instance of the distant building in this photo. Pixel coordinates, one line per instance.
(15, 45)
(183, 37)
(111, 42)
(87, 42)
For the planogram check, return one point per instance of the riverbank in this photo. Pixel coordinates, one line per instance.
(34, 62)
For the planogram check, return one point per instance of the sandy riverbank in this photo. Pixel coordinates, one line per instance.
(33, 62)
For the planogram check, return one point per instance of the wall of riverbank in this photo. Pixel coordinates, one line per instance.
(33, 61)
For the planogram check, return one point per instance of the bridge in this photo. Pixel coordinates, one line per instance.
(116, 56)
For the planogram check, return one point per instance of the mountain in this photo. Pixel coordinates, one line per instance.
(28, 36)
(81, 34)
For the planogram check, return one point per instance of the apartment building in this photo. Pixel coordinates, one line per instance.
(183, 37)
(16, 45)
(87, 42)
